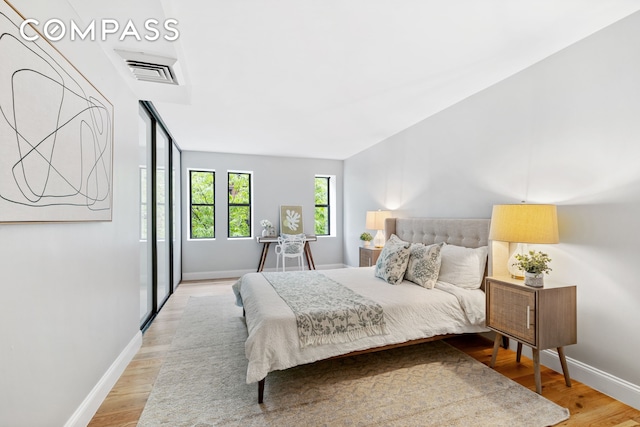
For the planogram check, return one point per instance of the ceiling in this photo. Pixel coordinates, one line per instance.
(330, 78)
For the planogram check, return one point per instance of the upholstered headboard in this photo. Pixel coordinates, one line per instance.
(470, 233)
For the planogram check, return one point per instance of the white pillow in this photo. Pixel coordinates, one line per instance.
(424, 264)
(463, 267)
(393, 260)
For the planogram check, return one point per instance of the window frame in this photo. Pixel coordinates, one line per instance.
(249, 205)
(327, 179)
(191, 204)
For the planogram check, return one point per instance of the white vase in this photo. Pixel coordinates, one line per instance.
(534, 280)
(366, 243)
(265, 232)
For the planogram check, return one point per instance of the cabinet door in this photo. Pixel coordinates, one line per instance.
(513, 312)
(368, 256)
(365, 258)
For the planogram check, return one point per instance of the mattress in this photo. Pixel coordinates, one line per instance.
(411, 312)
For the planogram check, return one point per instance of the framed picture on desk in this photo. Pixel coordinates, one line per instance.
(291, 220)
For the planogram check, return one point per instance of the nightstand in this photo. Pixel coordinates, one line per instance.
(369, 256)
(541, 318)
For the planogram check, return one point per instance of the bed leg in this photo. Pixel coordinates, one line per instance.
(261, 391)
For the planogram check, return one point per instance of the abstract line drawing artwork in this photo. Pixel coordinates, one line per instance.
(56, 134)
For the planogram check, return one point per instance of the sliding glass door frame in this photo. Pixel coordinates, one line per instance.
(156, 124)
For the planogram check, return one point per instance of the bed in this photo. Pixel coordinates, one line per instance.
(412, 313)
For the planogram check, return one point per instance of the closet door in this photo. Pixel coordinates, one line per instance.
(162, 215)
(176, 219)
(160, 229)
(145, 191)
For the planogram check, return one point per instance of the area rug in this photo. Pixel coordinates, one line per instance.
(202, 383)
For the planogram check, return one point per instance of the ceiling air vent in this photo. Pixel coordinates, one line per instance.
(150, 72)
(149, 68)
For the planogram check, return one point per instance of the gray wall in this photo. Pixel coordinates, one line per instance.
(69, 303)
(276, 181)
(565, 131)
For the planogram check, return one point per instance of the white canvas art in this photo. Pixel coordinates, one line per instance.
(56, 134)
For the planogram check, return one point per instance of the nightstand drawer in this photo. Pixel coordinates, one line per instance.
(512, 311)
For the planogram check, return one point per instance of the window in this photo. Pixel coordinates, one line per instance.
(323, 207)
(202, 194)
(239, 204)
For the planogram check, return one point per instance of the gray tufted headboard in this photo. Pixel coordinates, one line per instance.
(470, 233)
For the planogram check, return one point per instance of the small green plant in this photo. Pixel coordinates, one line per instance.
(534, 262)
(366, 237)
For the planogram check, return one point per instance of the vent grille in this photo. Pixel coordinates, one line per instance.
(150, 68)
(150, 72)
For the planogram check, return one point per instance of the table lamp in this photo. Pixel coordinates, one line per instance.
(375, 221)
(523, 224)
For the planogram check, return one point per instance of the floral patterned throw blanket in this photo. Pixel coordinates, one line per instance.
(327, 311)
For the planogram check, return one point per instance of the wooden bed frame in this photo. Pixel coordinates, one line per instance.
(471, 233)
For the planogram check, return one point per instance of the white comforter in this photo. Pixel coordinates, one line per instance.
(411, 312)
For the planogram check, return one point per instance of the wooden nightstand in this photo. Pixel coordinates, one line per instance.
(369, 256)
(541, 318)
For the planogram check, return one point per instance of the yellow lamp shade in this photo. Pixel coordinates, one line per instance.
(375, 221)
(524, 223)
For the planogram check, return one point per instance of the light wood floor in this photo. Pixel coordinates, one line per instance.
(125, 402)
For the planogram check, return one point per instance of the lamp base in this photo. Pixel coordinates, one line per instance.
(514, 270)
(378, 241)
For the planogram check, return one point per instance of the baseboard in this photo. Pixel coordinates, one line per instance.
(619, 389)
(604, 382)
(82, 416)
(210, 275)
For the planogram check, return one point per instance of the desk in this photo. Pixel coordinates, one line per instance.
(266, 241)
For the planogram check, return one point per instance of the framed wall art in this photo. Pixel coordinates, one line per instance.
(56, 133)
(291, 220)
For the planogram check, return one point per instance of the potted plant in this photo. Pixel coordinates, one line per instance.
(366, 239)
(534, 264)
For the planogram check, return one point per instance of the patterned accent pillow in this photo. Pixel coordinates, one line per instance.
(393, 260)
(424, 264)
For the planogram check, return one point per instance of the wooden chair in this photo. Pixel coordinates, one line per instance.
(290, 246)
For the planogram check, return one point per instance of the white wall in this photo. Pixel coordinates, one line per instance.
(565, 131)
(276, 181)
(69, 299)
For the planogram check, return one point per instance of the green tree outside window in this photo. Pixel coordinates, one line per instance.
(322, 217)
(202, 184)
(239, 204)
